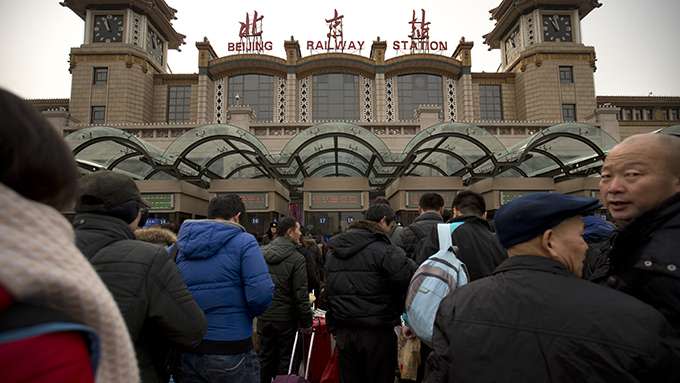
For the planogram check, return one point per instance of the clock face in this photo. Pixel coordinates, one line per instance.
(108, 29)
(512, 44)
(154, 45)
(557, 28)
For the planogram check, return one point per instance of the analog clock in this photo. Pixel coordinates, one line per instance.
(108, 29)
(512, 44)
(557, 28)
(154, 45)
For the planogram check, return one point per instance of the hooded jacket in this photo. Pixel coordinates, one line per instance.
(534, 321)
(147, 287)
(478, 246)
(224, 269)
(367, 278)
(288, 271)
(422, 227)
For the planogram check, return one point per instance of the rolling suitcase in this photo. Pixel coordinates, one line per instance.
(318, 356)
(293, 378)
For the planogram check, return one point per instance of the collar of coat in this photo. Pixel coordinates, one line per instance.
(628, 238)
(373, 227)
(534, 263)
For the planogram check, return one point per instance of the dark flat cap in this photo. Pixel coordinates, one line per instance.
(528, 216)
(105, 190)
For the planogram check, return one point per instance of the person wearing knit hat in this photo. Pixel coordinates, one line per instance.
(157, 306)
(535, 320)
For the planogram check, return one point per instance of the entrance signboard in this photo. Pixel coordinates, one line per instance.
(337, 200)
(159, 201)
(255, 201)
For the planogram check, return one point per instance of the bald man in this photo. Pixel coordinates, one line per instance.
(640, 187)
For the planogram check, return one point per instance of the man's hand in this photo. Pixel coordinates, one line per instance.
(407, 332)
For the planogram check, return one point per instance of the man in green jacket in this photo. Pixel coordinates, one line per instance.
(290, 309)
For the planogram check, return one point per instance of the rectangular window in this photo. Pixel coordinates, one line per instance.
(647, 114)
(418, 89)
(179, 103)
(490, 103)
(566, 75)
(335, 96)
(568, 112)
(255, 91)
(673, 114)
(101, 75)
(98, 115)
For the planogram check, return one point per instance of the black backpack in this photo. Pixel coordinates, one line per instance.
(425, 244)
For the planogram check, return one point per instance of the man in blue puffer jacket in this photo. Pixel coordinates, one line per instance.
(228, 277)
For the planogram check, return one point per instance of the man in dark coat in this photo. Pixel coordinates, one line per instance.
(418, 234)
(536, 320)
(367, 282)
(142, 277)
(640, 187)
(477, 245)
(290, 309)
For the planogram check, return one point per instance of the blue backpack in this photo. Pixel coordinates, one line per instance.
(440, 274)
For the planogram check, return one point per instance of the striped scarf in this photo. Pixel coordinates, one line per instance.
(40, 264)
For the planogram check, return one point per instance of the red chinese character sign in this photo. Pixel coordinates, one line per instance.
(250, 35)
(335, 38)
(335, 31)
(420, 33)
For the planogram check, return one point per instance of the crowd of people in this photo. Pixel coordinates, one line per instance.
(551, 291)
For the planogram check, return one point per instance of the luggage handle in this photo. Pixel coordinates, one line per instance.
(309, 354)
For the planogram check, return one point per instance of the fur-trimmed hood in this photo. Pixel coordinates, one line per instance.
(359, 235)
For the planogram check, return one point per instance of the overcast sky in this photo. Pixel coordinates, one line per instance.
(637, 41)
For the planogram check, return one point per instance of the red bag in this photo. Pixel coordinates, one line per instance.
(331, 374)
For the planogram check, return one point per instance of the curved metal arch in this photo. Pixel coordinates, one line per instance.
(416, 164)
(242, 167)
(369, 168)
(225, 154)
(335, 129)
(122, 159)
(554, 158)
(339, 166)
(444, 151)
(459, 130)
(212, 132)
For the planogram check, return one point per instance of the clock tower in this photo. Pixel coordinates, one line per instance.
(125, 45)
(541, 43)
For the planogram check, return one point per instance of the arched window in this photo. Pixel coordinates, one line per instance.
(255, 90)
(335, 96)
(418, 89)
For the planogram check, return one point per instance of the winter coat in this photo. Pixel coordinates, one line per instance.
(645, 259)
(478, 247)
(422, 226)
(534, 321)
(147, 287)
(226, 273)
(598, 234)
(367, 278)
(289, 273)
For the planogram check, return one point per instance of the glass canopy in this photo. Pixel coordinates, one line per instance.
(339, 149)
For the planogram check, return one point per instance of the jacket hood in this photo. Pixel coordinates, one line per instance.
(596, 229)
(429, 216)
(278, 250)
(359, 235)
(204, 238)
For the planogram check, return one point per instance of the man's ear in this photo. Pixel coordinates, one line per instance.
(546, 241)
(237, 217)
